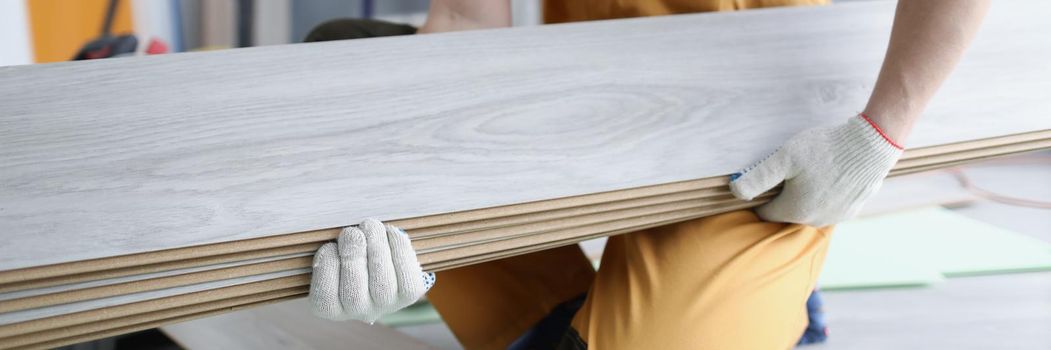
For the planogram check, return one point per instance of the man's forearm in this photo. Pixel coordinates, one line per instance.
(456, 15)
(927, 41)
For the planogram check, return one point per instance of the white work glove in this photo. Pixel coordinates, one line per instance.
(370, 271)
(828, 173)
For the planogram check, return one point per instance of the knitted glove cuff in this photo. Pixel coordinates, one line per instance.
(862, 150)
(828, 173)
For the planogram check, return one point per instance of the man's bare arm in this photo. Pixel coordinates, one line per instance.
(829, 172)
(927, 41)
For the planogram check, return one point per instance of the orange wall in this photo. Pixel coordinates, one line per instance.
(61, 27)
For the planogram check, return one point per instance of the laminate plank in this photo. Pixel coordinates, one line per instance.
(236, 293)
(93, 283)
(433, 232)
(456, 251)
(32, 325)
(87, 310)
(485, 237)
(150, 269)
(131, 287)
(427, 227)
(53, 343)
(467, 250)
(137, 155)
(122, 322)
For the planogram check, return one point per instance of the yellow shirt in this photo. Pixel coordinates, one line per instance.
(561, 11)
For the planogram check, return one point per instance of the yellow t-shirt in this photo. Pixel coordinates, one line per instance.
(561, 11)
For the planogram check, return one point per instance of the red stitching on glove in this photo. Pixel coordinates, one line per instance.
(880, 131)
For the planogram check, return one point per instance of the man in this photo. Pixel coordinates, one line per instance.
(738, 280)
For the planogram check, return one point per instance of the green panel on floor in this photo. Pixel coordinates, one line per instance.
(958, 245)
(419, 313)
(860, 256)
(917, 247)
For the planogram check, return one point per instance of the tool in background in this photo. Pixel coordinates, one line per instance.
(108, 45)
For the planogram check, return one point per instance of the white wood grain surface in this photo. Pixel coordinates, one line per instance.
(130, 155)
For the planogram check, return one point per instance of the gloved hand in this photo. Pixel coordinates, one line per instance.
(828, 173)
(370, 271)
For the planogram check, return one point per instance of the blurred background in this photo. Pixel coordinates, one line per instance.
(41, 31)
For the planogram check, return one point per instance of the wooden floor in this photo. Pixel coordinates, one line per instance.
(972, 313)
(983, 312)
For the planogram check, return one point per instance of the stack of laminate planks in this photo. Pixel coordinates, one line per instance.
(140, 192)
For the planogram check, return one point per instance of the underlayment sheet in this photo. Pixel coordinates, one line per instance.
(920, 247)
(419, 313)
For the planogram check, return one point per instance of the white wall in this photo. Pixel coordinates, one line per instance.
(153, 19)
(15, 44)
(526, 13)
(272, 24)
